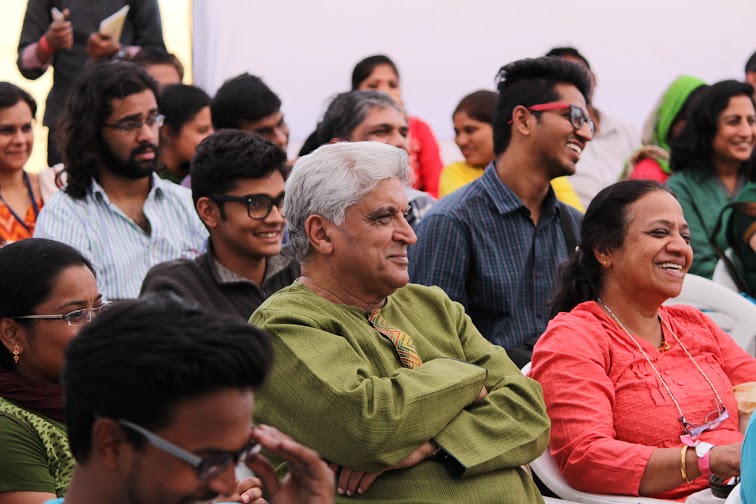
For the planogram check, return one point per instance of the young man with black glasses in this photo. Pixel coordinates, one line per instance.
(159, 397)
(238, 188)
(495, 245)
(114, 208)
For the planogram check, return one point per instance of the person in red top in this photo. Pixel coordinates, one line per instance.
(20, 200)
(640, 395)
(380, 74)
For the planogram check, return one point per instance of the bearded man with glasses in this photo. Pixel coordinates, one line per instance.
(238, 190)
(114, 208)
(495, 245)
(159, 396)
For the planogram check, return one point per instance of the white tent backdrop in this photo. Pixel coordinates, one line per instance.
(305, 51)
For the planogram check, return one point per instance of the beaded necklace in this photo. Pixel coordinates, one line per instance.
(658, 374)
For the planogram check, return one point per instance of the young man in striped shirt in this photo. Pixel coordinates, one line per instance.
(114, 208)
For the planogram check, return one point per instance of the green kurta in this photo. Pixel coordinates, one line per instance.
(701, 198)
(34, 452)
(338, 386)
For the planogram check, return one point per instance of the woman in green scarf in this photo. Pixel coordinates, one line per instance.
(662, 127)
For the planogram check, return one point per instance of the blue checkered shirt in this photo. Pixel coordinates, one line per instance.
(479, 245)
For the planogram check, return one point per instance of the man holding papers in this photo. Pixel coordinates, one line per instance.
(74, 31)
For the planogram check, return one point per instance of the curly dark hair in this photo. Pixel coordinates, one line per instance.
(229, 155)
(88, 104)
(527, 82)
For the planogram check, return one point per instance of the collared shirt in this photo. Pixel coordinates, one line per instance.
(603, 158)
(479, 245)
(121, 251)
(214, 286)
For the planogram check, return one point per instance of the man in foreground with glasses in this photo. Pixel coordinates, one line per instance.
(238, 190)
(158, 401)
(495, 245)
(114, 208)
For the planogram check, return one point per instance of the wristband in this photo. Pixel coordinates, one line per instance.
(702, 451)
(44, 45)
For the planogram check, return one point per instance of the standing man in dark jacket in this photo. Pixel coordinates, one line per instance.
(69, 42)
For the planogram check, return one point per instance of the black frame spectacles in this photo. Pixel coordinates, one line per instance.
(132, 125)
(207, 467)
(577, 118)
(259, 206)
(82, 316)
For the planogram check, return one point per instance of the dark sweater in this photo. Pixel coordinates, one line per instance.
(215, 287)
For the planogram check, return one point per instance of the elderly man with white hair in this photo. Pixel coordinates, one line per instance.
(390, 382)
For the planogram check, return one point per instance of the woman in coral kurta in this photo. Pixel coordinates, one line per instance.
(628, 382)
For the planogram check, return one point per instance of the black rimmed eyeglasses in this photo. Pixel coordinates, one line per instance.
(208, 467)
(577, 117)
(132, 125)
(259, 206)
(79, 317)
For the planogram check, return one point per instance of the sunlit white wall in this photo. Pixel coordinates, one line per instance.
(305, 51)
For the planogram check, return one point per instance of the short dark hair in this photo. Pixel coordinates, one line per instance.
(365, 67)
(10, 94)
(348, 110)
(243, 98)
(693, 149)
(88, 104)
(479, 105)
(138, 359)
(229, 155)
(148, 56)
(528, 82)
(29, 270)
(604, 226)
(179, 103)
(750, 65)
(561, 52)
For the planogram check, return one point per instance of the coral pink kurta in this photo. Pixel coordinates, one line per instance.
(609, 410)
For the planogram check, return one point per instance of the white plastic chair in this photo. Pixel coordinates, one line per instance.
(548, 472)
(722, 275)
(729, 310)
(734, 497)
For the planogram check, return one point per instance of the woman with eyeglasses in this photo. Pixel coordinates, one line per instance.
(473, 134)
(20, 200)
(48, 293)
(709, 164)
(640, 395)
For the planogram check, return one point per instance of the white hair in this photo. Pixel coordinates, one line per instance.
(335, 177)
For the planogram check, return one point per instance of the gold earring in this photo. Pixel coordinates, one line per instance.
(15, 353)
(606, 263)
